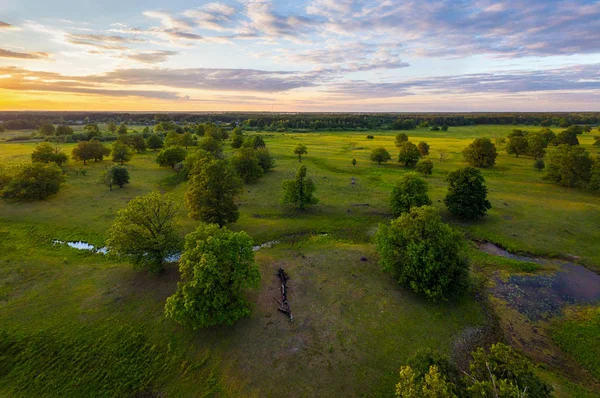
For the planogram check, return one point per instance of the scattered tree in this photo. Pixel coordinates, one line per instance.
(254, 142)
(145, 232)
(409, 154)
(120, 153)
(187, 139)
(299, 191)
(172, 139)
(569, 166)
(216, 267)
(237, 140)
(210, 144)
(265, 160)
(63, 130)
(47, 129)
(423, 148)
(425, 166)
(112, 127)
(401, 138)
(443, 156)
(354, 162)
(245, 162)
(87, 150)
(481, 153)
(46, 153)
(155, 142)
(467, 194)
(122, 129)
(171, 156)
(380, 155)
(32, 181)
(212, 190)
(300, 150)
(566, 138)
(517, 145)
(410, 191)
(424, 254)
(92, 131)
(137, 142)
(539, 164)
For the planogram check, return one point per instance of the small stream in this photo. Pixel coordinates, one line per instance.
(542, 296)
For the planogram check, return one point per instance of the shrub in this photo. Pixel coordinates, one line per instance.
(216, 267)
(212, 145)
(120, 153)
(401, 138)
(370, 137)
(300, 150)
(481, 153)
(410, 191)
(425, 166)
(33, 181)
(155, 142)
(424, 254)
(467, 194)
(265, 160)
(46, 153)
(423, 148)
(539, 164)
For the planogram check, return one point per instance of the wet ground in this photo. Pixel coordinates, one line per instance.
(542, 296)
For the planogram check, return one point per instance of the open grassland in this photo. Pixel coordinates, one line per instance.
(74, 321)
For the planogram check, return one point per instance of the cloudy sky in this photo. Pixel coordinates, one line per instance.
(314, 55)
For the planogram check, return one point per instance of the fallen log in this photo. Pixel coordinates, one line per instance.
(284, 306)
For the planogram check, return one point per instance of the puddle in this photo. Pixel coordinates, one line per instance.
(82, 246)
(543, 296)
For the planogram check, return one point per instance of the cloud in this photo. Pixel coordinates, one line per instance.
(33, 81)
(19, 55)
(350, 57)
(102, 38)
(151, 57)
(5, 25)
(168, 21)
(576, 78)
(469, 27)
(212, 16)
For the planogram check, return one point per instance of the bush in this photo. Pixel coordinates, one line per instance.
(33, 181)
(423, 148)
(481, 153)
(265, 160)
(425, 166)
(566, 138)
(424, 254)
(539, 164)
(467, 194)
(401, 138)
(410, 191)
(117, 175)
(370, 137)
(212, 145)
(216, 267)
(46, 153)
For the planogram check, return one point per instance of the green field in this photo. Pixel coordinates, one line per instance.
(79, 324)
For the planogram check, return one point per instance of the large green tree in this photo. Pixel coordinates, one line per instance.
(467, 194)
(569, 166)
(401, 138)
(216, 268)
(246, 164)
(212, 145)
(155, 142)
(409, 154)
(47, 129)
(480, 153)
(116, 175)
(410, 191)
(380, 155)
(120, 153)
(213, 188)
(517, 145)
(299, 191)
(145, 232)
(171, 156)
(424, 254)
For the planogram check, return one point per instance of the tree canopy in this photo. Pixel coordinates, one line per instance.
(145, 232)
(409, 154)
(410, 191)
(171, 156)
(299, 191)
(424, 254)
(216, 267)
(246, 164)
(569, 166)
(120, 153)
(467, 194)
(32, 181)
(480, 153)
(213, 188)
(46, 153)
(300, 150)
(380, 155)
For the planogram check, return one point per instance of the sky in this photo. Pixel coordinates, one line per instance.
(306, 55)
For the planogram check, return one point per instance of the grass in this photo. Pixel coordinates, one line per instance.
(578, 334)
(353, 326)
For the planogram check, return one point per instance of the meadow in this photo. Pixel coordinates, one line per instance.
(80, 324)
